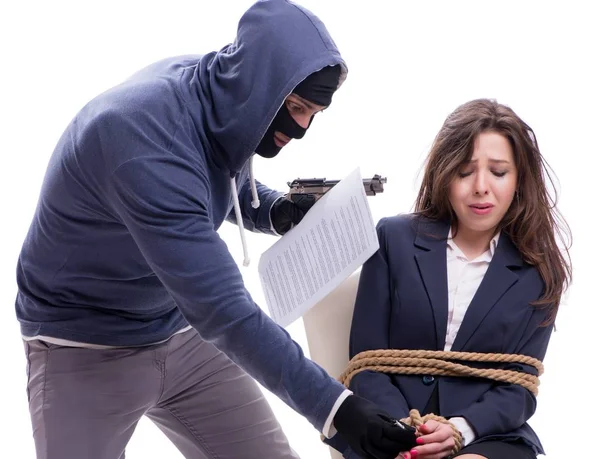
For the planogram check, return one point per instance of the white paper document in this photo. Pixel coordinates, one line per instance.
(332, 241)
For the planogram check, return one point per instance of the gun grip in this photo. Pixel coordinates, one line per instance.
(296, 197)
(304, 201)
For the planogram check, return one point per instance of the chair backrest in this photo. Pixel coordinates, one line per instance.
(327, 326)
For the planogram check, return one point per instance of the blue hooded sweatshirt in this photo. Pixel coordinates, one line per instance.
(123, 249)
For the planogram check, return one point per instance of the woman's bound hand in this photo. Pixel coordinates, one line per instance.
(435, 441)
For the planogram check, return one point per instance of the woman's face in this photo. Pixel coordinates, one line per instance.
(484, 188)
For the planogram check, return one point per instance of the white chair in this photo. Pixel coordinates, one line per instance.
(327, 326)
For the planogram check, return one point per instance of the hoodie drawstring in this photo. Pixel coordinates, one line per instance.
(238, 212)
(255, 200)
(238, 217)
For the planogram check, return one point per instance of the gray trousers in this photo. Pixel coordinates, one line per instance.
(86, 403)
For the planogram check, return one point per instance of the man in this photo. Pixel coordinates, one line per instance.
(130, 303)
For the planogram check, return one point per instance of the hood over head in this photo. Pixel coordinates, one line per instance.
(278, 45)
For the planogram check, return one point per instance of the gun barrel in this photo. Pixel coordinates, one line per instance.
(319, 186)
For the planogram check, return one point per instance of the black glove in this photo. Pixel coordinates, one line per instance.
(370, 432)
(286, 213)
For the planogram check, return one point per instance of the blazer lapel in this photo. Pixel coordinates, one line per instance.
(497, 280)
(432, 264)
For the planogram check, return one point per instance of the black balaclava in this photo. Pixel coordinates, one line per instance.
(317, 88)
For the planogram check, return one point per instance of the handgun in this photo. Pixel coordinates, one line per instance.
(317, 187)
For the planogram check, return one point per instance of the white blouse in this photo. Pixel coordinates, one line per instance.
(464, 277)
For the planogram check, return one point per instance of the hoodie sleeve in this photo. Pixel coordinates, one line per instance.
(163, 203)
(256, 220)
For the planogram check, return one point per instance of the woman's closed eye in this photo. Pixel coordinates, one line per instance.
(464, 174)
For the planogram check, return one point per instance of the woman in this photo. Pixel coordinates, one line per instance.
(476, 268)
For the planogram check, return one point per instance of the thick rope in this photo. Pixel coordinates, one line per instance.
(413, 362)
(419, 362)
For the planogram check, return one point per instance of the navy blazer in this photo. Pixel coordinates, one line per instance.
(402, 303)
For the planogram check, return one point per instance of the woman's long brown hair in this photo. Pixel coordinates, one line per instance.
(532, 221)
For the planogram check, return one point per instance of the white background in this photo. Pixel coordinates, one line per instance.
(411, 64)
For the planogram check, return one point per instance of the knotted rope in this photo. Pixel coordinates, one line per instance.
(419, 362)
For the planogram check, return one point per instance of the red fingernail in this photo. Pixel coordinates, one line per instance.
(419, 440)
(414, 453)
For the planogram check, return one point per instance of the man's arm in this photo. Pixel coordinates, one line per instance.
(161, 201)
